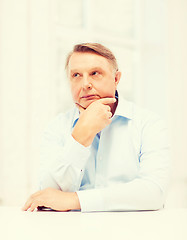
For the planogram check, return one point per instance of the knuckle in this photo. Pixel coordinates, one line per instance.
(35, 201)
(108, 108)
(31, 197)
(48, 189)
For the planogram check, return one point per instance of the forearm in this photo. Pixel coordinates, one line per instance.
(83, 135)
(133, 196)
(65, 166)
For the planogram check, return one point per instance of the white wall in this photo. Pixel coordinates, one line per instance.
(149, 38)
(27, 96)
(177, 98)
(15, 99)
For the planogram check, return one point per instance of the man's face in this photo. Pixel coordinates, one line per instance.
(91, 77)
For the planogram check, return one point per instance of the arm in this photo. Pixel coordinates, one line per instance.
(62, 160)
(53, 199)
(148, 190)
(63, 165)
(61, 169)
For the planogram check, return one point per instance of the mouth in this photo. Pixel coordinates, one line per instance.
(90, 97)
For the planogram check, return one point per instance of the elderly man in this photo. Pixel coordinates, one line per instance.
(105, 154)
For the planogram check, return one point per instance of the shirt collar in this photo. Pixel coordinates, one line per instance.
(124, 109)
(75, 117)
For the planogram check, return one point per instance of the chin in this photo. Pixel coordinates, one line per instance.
(86, 104)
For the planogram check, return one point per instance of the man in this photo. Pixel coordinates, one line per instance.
(105, 154)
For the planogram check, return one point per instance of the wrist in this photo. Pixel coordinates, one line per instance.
(83, 135)
(75, 204)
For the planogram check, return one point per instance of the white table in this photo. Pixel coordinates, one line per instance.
(164, 224)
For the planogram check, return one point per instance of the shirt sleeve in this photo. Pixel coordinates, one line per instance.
(63, 160)
(148, 190)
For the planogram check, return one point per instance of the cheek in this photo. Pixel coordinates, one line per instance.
(75, 92)
(108, 89)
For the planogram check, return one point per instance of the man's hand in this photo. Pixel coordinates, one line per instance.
(92, 120)
(54, 199)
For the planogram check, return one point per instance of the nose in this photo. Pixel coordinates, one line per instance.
(86, 83)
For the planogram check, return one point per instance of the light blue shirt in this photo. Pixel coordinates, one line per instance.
(125, 168)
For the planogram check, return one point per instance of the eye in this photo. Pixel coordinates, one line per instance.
(76, 75)
(95, 73)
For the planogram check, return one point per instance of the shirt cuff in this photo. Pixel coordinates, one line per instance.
(92, 200)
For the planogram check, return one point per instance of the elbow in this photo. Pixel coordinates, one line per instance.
(156, 204)
(156, 200)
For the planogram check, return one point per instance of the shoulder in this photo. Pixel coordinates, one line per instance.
(144, 115)
(149, 122)
(134, 112)
(144, 120)
(62, 121)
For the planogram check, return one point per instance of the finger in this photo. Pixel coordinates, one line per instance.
(109, 114)
(107, 100)
(81, 108)
(33, 207)
(30, 200)
(27, 205)
(108, 108)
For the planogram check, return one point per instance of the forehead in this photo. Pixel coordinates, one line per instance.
(79, 60)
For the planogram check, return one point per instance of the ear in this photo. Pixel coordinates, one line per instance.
(117, 78)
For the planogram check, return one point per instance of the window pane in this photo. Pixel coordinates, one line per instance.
(115, 17)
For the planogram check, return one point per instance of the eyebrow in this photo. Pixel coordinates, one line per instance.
(90, 70)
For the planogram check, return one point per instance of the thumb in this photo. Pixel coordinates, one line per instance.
(108, 100)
